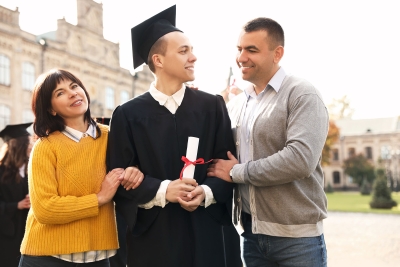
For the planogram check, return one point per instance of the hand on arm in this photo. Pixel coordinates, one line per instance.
(131, 178)
(221, 168)
(109, 186)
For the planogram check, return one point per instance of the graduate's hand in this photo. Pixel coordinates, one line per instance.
(131, 178)
(180, 188)
(220, 168)
(197, 196)
(109, 186)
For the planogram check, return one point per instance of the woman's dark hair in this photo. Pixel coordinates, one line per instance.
(14, 158)
(45, 123)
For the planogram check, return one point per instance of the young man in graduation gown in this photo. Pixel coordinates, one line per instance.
(172, 221)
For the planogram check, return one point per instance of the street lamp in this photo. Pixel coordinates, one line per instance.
(43, 43)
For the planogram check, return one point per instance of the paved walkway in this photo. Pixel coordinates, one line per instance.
(362, 240)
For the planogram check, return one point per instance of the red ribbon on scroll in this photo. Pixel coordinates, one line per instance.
(188, 162)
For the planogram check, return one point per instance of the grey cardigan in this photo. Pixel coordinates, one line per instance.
(285, 176)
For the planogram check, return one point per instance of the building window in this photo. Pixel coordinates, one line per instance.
(124, 97)
(28, 76)
(110, 98)
(336, 177)
(352, 152)
(4, 116)
(335, 154)
(368, 152)
(4, 70)
(27, 116)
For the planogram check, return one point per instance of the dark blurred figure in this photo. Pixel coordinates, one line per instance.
(14, 198)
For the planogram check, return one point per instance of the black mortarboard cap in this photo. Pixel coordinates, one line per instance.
(145, 34)
(14, 131)
(102, 120)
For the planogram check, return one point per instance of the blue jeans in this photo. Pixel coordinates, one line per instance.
(48, 261)
(267, 251)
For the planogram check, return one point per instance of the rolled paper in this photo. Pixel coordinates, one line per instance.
(191, 154)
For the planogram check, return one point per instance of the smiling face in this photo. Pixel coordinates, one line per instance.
(256, 59)
(179, 60)
(69, 101)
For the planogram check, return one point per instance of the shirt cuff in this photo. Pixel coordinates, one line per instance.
(159, 200)
(209, 199)
(238, 171)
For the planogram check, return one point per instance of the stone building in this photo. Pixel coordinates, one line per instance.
(80, 48)
(377, 139)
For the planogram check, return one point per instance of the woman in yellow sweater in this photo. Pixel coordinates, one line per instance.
(71, 220)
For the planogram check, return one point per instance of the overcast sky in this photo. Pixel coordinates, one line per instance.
(342, 47)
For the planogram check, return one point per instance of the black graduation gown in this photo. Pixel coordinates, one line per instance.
(12, 220)
(145, 134)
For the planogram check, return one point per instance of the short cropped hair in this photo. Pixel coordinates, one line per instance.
(159, 47)
(274, 30)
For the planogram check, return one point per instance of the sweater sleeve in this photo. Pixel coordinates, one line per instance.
(307, 127)
(47, 205)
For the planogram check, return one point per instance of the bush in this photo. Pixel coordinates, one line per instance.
(365, 188)
(382, 198)
(329, 188)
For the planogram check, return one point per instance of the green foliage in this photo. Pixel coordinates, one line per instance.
(382, 196)
(365, 188)
(329, 188)
(360, 169)
(355, 202)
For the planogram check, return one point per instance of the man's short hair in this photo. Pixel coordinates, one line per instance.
(274, 30)
(159, 47)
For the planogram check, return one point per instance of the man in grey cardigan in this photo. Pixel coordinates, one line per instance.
(280, 124)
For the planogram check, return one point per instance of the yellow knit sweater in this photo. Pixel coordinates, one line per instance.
(64, 177)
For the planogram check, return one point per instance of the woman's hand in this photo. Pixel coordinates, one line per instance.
(109, 186)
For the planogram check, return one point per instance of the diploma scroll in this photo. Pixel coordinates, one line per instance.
(191, 154)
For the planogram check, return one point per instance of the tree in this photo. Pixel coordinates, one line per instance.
(381, 198)
(365, 188)
(340, 108)
(329, 188)
(333, 136)
(359, 168)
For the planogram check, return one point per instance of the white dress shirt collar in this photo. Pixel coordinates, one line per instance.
(170, 102)
(77, 135)
(275, 83)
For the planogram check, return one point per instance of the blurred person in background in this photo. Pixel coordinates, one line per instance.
(14, 197)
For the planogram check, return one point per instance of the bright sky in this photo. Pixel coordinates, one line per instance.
(343, 47)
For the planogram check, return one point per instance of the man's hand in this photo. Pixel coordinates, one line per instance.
(220, 167)
(131, 178)
(180, 189)
(197, 196)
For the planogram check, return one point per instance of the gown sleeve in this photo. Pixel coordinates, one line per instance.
(121, 153)
(222, 190)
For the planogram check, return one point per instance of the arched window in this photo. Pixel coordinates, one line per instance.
(4, 116)
(336, 177)
(28, 76)
(4, 70)
(110, 98)
(124, 97)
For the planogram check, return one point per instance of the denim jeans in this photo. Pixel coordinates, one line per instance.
(48, 261)
(266, 251)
